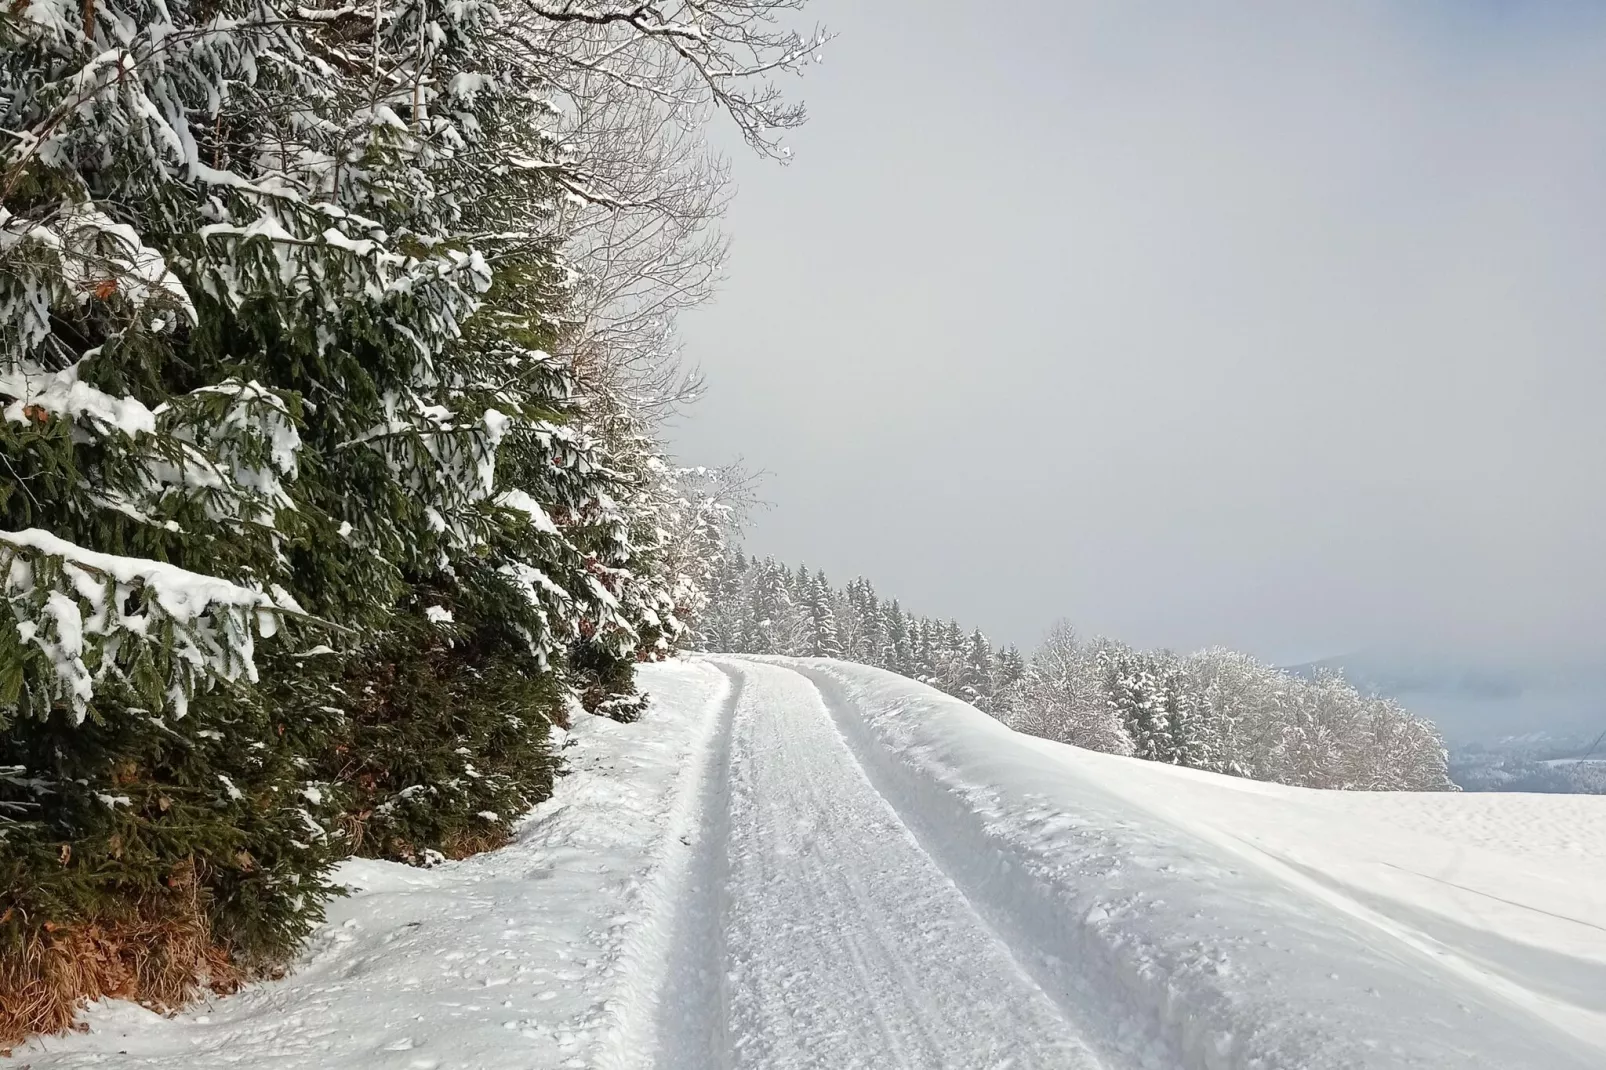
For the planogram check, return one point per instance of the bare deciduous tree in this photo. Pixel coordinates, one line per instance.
(636, 85)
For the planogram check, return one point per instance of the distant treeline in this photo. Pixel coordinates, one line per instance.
(1565, 767)
(1216, 710)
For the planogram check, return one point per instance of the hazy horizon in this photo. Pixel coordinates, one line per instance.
(1271, 327)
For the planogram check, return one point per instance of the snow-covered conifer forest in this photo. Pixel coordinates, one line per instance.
(1216, 709)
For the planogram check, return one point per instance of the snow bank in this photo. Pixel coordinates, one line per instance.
(526, 958)
(1256, 926)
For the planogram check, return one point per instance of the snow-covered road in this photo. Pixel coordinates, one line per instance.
(808, 864)
(844, 944)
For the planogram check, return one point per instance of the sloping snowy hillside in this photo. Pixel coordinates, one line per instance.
(812, 864)
(1249, 921)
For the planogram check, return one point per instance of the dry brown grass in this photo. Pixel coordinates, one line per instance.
(463, 844)
(161, 956)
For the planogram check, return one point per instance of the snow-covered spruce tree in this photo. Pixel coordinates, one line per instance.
(822, 640)
(899, 655)
(239, 260)
(1011, 669)
(978, 682)
(678, 520)
(773, 622)
(155, 824)
(448, 707)
(948, 656)
(862, 624)
(522, 516)
(647, 614)
(922, 632)
(1190, 735)
(719, 628)
(1137, 694)
(687, 555)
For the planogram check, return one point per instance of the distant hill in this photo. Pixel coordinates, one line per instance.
(1482, 699)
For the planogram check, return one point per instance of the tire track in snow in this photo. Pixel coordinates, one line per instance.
(1032, 931)
(846, 944)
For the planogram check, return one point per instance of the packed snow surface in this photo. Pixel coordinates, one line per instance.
(793, 863)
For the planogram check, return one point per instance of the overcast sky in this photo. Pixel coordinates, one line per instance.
(1280, 326)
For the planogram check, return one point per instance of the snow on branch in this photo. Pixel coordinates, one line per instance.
(35, 391)
(89, 616)
(74, 255)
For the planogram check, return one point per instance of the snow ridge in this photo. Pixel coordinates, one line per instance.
(664, 960)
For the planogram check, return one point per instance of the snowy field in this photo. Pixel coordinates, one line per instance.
(794, 864)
